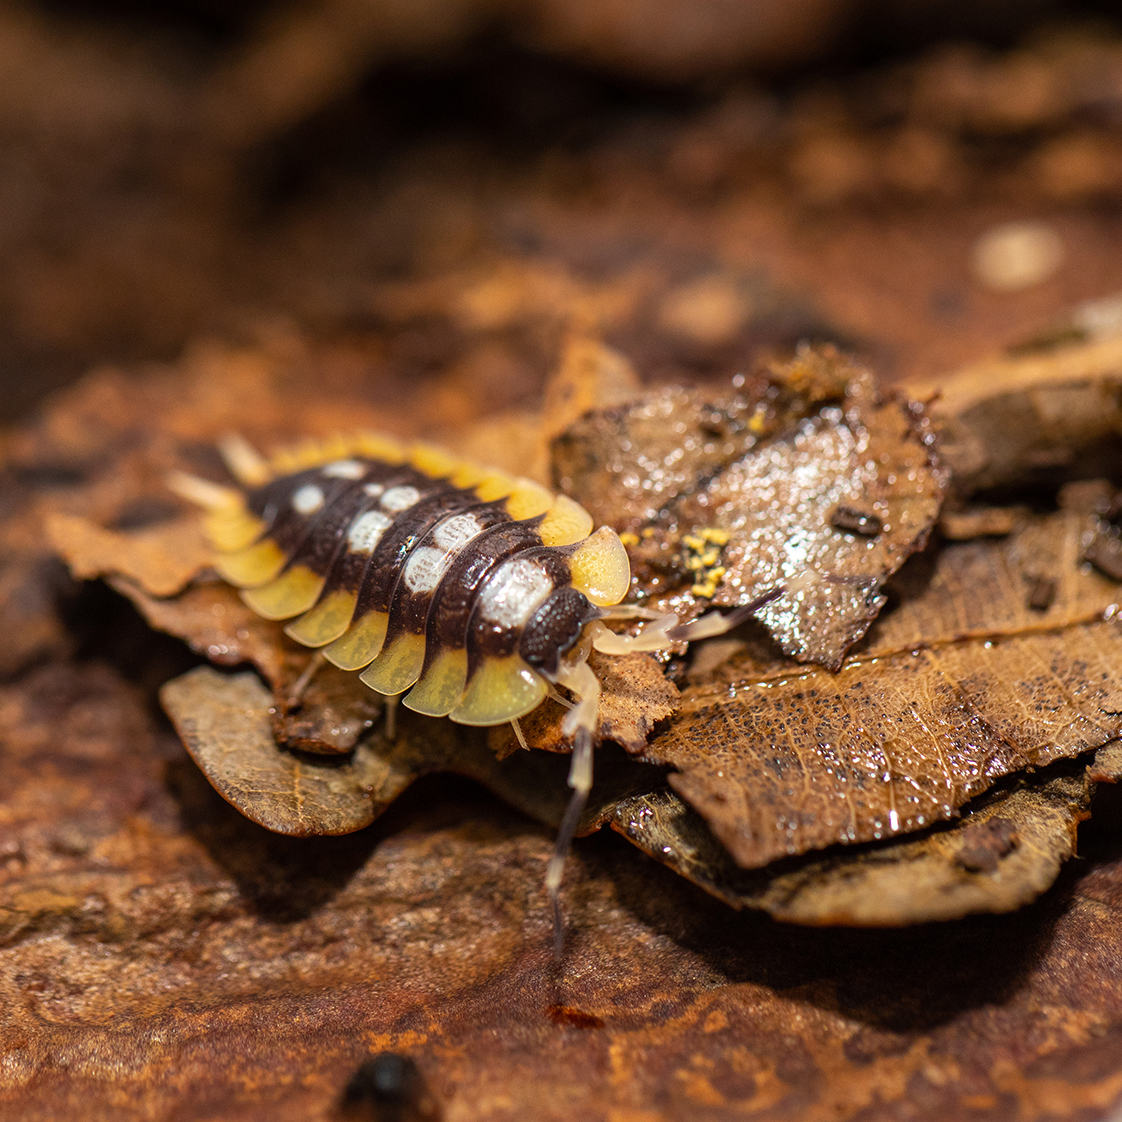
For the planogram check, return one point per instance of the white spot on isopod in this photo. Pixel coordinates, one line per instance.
(308, 499)
(514, 593)
(345, 469)
(455, 532)
(428, 563)
(424, 568)
(367, 530)
(400, 498)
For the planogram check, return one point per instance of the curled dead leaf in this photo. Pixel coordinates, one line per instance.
(1017, 418)
(225, 722)
(162, 560)
(1002, 854)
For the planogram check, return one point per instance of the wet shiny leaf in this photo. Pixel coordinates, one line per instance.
(722, 499)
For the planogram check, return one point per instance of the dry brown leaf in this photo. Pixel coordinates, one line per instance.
(162, 560)
(967, 680)
(225, 722)
(809, 476)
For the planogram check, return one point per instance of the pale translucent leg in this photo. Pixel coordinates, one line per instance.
(301, 683)
(391, 701)
(202, 492)
(244, 462)
(631, 611)
(665, 630)
(580, 724)
(519, 734)
(560, 698)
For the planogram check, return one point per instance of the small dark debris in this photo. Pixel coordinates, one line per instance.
(1105, 553)
(388, 1088)
(574, 1018)
(855, 521)
(145, 512)
(1041, 592)
(986, 843)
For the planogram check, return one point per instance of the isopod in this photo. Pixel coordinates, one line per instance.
(464, 591)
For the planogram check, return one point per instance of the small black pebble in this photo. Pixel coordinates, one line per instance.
(389, 1088)
(856, 522)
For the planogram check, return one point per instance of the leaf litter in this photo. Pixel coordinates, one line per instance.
(430, 942)
(963, 682)
(752, 723)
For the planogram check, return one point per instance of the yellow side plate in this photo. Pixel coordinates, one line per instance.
(600, 568)
(440, 690)
(528, 500)
(326, 621)
(290, 594)
(360, 644)
(248, 568)
(398, 666)
(500, 690)
(566, 523)
(231, 530)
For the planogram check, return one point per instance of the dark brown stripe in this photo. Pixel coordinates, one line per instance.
(285, 525)
(455, 599)
(322, 546)
(409, 527)
(410, 611)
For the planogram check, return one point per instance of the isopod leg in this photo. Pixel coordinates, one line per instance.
(579, 723)
(391, 701)
(664, 630)
(301, 684)
(243, 461)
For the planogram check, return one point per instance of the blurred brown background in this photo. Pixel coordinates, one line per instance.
(442, 187)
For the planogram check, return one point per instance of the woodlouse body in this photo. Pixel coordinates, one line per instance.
(469, 592)
(464, 586)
